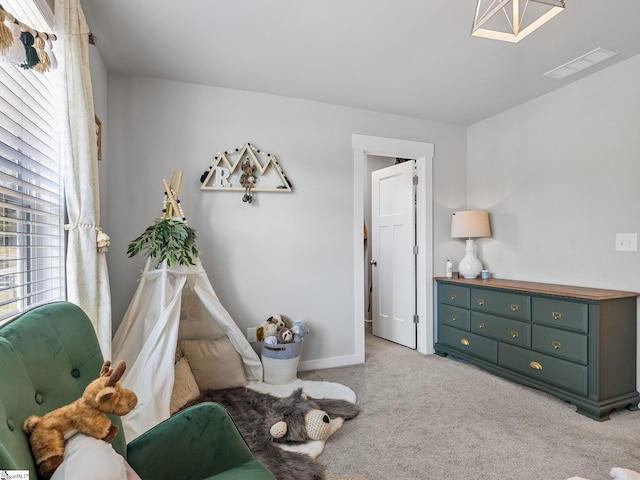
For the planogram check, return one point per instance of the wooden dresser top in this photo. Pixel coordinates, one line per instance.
(544, 288)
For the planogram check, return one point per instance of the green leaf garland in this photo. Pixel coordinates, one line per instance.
(167, 239)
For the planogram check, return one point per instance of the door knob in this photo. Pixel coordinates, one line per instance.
(374, 262)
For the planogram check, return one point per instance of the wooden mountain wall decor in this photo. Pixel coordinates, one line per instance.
(228, 171)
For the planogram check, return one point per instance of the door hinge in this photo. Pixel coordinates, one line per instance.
(415, 249)
(416, 319)
(415, 179)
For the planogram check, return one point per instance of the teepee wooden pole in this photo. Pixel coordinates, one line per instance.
(171, 200)
(177, 185)
(173, 181)
(173, 191)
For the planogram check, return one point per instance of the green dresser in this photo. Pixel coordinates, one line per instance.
(573, 342)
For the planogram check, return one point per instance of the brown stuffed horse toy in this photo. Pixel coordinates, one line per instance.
(86, 415)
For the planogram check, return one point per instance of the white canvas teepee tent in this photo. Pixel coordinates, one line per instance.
(171, 303)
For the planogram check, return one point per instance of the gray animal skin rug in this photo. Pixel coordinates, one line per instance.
(285, 433)
(315, 389)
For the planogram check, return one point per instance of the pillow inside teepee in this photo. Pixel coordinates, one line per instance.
(185, 387)
(215, 363)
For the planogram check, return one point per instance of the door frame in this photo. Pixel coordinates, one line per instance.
(363, 146)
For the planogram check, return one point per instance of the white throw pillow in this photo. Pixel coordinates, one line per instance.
(87, 457)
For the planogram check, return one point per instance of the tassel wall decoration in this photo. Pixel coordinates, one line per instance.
(48, 48)
(25, 46)
(16, 53)
(6, 37)
(44, 63)
(32, 56)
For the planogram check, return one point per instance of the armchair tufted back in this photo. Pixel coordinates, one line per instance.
(48, 356)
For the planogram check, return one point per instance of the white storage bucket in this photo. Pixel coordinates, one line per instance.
(280, 362)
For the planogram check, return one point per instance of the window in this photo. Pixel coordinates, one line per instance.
(31, 198)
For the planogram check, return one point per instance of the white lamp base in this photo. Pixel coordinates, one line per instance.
(470, 266)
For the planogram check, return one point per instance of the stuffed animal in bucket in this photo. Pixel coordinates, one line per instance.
(267, 328)
(271, 326)
(280, 321)
(285, 336)
(103, 395)
(299, 330)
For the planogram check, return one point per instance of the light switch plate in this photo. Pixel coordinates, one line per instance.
(626, 242)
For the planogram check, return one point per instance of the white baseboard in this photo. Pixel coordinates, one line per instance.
(328, 363)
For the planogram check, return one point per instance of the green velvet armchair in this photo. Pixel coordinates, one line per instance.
(47, 357)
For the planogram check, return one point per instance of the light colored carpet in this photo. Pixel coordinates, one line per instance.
(428, 417)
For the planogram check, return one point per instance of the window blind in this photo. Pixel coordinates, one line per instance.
(31, 199)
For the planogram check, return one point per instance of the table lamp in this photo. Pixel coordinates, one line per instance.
(470, 224)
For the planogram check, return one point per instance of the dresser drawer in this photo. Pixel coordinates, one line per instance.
(545, 368)
(480, 347)
(453, 295)
(569, 345)
(560, 313)
(500, 328)
(454, 316)
(502, 303)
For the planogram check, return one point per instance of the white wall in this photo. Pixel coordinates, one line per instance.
(286, 253)
(560, 175)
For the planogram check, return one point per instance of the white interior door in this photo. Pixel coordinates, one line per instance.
(392, 253)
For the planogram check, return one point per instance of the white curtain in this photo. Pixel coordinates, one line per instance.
(87, 276)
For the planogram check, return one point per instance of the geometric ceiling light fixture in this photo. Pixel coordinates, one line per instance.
(512, 20)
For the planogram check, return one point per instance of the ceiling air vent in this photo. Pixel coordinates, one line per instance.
(581, 63)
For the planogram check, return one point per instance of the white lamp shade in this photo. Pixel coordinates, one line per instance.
(470, 224)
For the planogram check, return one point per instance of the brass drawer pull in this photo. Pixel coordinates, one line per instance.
(556, 315)
(480, 302)
(480, 325)
(453, 318)
(514, 308)
(514, 334)
(464, 341)
(535, 366)
(556, 345)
